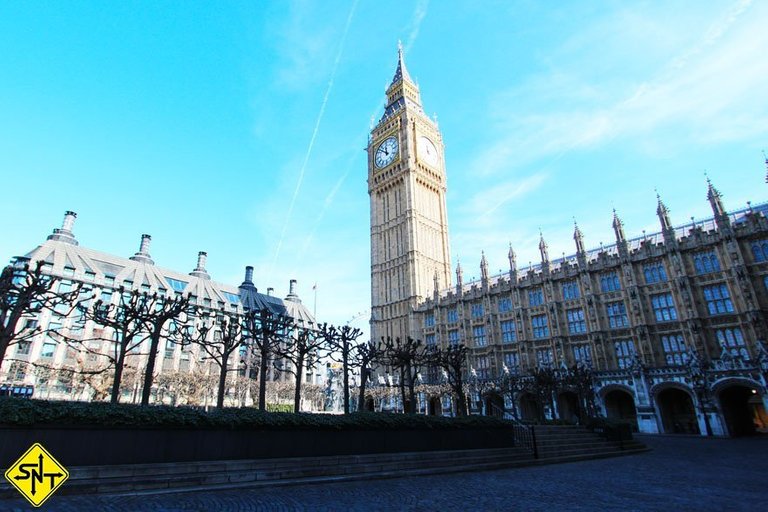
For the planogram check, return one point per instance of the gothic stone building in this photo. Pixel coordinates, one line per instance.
(671, 326)
(105, 275)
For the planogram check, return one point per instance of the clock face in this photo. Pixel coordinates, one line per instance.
(386, 152)
(428, 151)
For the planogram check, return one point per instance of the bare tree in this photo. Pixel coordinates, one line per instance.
(279, 392)
(453, 360)
(94, 375)
(407, 356)
(240, 385)
(367, 357)
(341, 343)
(227, 337)
(24, 293)
(126, 319)
(301, 351)
(158, 314)
(265, 331)
(314, 394)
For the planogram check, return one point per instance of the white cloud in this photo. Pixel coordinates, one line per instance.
(708, 91)
(489, 200)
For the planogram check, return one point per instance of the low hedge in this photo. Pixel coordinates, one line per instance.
(280, 407)
(602, 422)
(26, 412)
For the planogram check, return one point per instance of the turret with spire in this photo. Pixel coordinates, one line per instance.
(512, 264)
(581, 250)
(715, 199)
(483, 268)
(618, 230)
(543, 249)
(403, 89)
(459, 278)
(578, 237)
(666, 225)
(765, 157)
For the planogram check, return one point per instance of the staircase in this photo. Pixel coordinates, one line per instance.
(571, 443)
(554, 444)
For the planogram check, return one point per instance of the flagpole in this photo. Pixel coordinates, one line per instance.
(314, 307)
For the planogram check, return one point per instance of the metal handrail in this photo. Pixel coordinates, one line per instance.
(524, 435)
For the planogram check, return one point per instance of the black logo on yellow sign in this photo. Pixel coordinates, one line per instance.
(36, 474)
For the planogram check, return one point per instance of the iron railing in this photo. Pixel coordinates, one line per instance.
(524, 435)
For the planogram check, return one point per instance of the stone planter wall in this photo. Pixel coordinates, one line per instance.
(78, 446)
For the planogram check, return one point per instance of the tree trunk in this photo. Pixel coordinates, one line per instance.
(411, 393)
(119, 364)
(7, 332)
(150, 370)
(363, 382)
(3, 348)
(461, 401)
(297, 389)
(222, 383)
(345, 377)
(402, 390)
(263, 381)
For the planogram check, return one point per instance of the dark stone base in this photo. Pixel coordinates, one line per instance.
(105, 446)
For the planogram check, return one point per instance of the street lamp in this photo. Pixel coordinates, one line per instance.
(700, 381)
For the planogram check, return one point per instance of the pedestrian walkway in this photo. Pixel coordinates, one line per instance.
(680, 473)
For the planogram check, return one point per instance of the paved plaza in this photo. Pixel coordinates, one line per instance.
(681, 473)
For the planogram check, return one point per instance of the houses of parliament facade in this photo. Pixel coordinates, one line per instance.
(670, 326)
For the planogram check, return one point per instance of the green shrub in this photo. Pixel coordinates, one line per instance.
(280, 407)
(26, 412)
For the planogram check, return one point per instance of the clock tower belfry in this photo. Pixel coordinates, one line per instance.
(409, 223)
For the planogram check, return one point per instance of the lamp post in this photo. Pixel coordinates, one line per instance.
(700, 381)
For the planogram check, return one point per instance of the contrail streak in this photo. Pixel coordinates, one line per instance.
(328, 90)
(418, 16)
(331, 196)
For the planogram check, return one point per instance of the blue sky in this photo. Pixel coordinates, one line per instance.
(238, 128)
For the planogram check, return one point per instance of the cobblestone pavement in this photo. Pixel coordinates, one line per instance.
(681, 473)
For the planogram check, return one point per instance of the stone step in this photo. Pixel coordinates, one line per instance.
(566, 440)
(126, 478)
(259, 464)
(380, 475)
(302, 471)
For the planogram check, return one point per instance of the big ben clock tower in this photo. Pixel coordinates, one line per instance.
(409, 224)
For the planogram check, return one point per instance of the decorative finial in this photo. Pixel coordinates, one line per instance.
(399, 48)
(766, 166)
